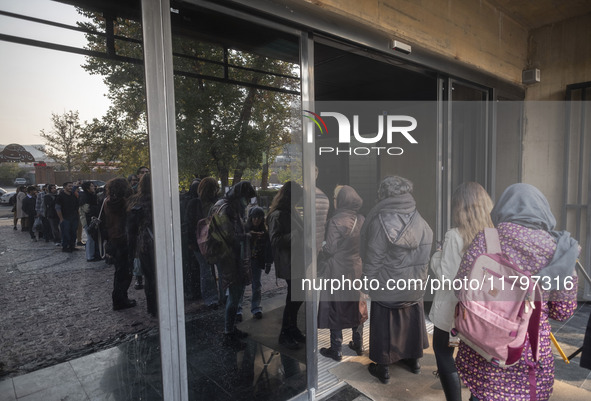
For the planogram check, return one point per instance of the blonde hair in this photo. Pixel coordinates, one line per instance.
(470, 211)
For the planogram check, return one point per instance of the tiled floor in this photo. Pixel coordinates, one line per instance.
(259, 372)
(132, 370)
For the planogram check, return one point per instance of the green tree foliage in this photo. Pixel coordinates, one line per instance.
(10, 171)
(222, 128)
(63, 142)
(117, 141)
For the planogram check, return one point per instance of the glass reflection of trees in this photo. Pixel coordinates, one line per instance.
(233, 106)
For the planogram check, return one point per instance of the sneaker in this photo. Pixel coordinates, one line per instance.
(258, 315)
(80, 243)
(358, 348)
(331, 353)
(287, 341)
(380, 371)
(57, 244)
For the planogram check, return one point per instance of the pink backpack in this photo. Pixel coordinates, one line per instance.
(499, 305)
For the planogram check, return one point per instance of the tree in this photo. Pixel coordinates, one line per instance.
(117, 141)
(63, 143)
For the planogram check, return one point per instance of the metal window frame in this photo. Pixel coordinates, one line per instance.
(157, 34)
(578, 206)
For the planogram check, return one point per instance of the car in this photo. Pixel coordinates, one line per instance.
(98, 183)
(2, 191)
(5, 199)
(20, 181)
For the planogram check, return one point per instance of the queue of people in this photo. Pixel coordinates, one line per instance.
(393, 242)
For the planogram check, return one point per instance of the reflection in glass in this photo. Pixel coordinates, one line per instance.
(77, 74)
(236, 86)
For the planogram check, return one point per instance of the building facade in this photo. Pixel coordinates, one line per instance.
(501, 94)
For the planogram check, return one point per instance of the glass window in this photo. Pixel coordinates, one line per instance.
(74, 321)
(237, 102)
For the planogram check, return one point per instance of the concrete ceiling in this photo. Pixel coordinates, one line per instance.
(536, 13)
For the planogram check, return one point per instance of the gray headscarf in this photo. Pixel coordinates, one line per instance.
(525, 205)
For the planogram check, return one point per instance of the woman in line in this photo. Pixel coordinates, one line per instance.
(261, 259)
(346, 308)
(140, 237)
(525, 226)
(198, 208)
(233, 256)
(118, 191)
(470, 214)
(21, 194)
(286, 230)
(395, 245)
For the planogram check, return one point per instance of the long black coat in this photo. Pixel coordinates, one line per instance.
(286, 231)
(344, 308)
(586, 355)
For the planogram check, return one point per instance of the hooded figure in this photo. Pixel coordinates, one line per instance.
(344, 308)
(233, 258)
(395, 247)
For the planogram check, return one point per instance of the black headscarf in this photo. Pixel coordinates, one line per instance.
(525, 205)
(241, 190)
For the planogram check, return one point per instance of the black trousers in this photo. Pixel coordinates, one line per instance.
(123, 271)
(444, 354)
(290, 313)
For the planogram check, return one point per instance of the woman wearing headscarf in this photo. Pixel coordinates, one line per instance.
(140, 237)
(344, 309)
(525, 226)
(261, 258)
(286, 230)
(233, 256)
(395, 245)
(118, 191)
(206, 195)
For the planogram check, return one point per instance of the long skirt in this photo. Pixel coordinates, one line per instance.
(397, 334)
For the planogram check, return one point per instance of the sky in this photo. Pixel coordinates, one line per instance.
(35, 82)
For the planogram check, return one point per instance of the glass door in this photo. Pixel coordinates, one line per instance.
(237, 108)
(465, 148)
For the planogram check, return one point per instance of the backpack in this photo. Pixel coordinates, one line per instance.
(208, 243)
(496, 316)
(203, 238)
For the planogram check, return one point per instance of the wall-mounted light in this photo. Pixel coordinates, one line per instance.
(401, 47)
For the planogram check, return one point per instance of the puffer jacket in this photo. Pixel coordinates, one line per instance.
(233, 257)
(395, 247)
(344, 308)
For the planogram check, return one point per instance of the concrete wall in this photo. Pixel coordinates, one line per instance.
(562, 52)
(471, 32)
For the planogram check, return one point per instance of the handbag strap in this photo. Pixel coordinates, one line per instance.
(102, 206)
